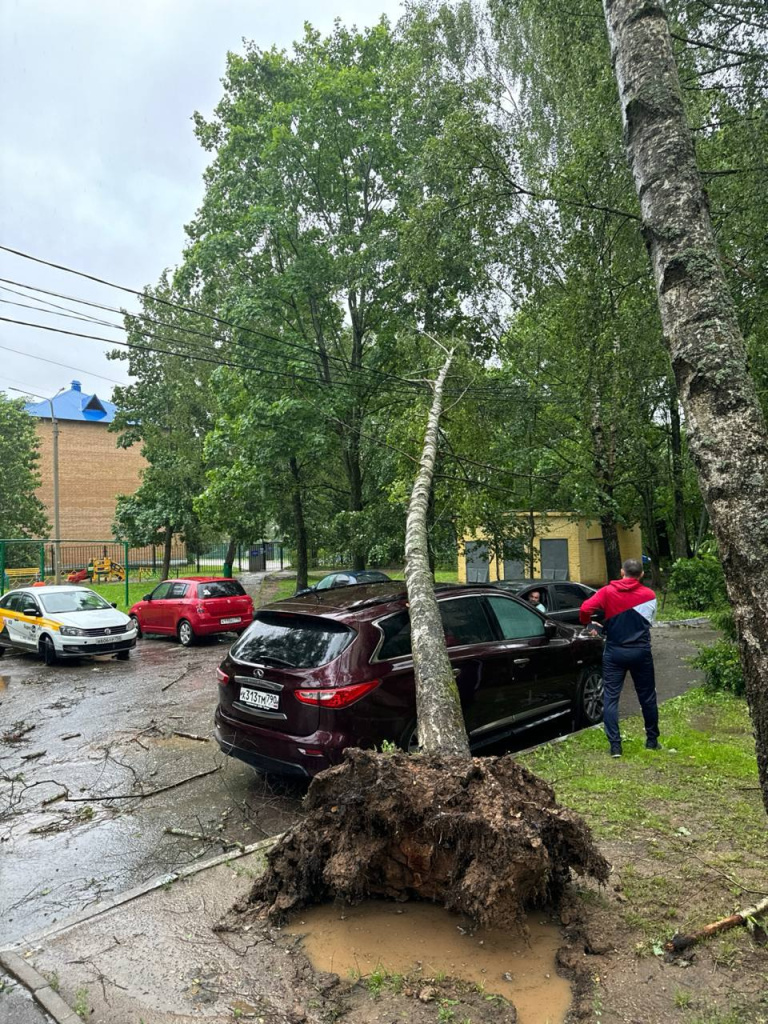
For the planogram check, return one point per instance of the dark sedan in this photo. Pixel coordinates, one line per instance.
(347, 578)
(333, 669)
(559, 600)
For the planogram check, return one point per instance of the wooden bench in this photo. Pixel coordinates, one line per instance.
(21, 577)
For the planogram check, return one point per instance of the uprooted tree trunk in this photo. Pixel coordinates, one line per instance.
(726, 430)
(438, 708)
(483, 836)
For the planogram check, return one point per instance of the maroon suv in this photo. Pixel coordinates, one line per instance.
(328, 670)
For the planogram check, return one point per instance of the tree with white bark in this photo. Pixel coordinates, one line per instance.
(726, 430)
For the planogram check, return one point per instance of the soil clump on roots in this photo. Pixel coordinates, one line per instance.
(484, 837)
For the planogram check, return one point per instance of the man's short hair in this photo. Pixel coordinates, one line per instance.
(633, 567)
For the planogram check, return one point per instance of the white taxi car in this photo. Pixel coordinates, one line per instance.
(63, 622)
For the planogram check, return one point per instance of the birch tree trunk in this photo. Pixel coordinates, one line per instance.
(438, 708)
(726, 430)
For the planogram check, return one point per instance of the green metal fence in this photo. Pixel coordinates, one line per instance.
(25, 561)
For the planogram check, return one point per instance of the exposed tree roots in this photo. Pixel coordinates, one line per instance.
(485, 837)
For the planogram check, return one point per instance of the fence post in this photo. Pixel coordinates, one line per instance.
(125, 566)
(2, 567)
(281, 557)
(42, 562)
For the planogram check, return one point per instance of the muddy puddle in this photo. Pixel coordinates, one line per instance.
(427, 941)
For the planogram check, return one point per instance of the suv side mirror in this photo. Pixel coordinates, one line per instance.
(147, 597)
(550, 630)
(113, 603)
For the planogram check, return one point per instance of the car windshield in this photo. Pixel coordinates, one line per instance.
(66, 601)
(295, 641)
(220, 588)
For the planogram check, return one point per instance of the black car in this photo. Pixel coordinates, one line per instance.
(560, 599)
(346, 578)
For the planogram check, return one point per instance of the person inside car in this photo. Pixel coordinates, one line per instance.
(535, 598)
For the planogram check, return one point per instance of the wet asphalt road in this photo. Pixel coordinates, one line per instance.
(105, 728)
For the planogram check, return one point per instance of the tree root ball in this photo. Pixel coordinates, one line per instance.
(485, 837)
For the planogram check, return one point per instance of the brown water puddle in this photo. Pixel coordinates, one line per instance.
(401, 938)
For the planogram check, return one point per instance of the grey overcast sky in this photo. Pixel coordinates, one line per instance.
(99, 168)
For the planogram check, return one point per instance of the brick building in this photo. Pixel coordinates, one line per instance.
(92, 469)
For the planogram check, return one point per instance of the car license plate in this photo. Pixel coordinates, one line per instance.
(103, 639)
(227, 622)
(259, 699)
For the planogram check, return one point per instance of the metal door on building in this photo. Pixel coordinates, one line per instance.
(554, 559)
(476, 554)
(257, 559)
(514, 569)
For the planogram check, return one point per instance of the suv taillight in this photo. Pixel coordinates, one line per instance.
(222, 677)
(338, 697)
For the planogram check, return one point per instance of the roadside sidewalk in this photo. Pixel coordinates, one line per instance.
(150, 955)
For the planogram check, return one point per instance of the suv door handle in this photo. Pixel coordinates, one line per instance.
(521, 661)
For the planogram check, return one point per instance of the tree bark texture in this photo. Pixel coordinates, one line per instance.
(611, 547)
(726, 430)
(299, 526)
(680, 534)
(167, 543)
(438, 708)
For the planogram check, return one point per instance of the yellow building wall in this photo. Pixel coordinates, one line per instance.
(592, 554)
(586, 557)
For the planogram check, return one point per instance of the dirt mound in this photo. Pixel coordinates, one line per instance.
(484, 837)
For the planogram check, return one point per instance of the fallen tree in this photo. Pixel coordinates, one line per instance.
(482, 836)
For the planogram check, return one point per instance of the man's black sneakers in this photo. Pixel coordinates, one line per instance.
(616, 750)
(652, 745)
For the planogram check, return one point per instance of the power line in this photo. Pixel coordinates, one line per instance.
(197, 312)
(74, 315)
(410, 384)
(64, 366)
(183, 354)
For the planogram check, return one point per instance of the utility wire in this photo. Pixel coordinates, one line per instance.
(410, 384)
(192, 310)
(64, 366)
(313, 361)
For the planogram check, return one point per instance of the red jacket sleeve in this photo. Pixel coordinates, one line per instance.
(593, 604)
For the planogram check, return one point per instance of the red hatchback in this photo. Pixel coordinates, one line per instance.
(192, 607)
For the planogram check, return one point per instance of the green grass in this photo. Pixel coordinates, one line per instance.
(692, 811)
(672, 611)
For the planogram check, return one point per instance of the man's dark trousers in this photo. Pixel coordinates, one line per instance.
(638, 661)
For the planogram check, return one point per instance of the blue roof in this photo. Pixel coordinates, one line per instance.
(75, 405)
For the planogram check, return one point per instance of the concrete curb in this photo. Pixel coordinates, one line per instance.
(39, 986)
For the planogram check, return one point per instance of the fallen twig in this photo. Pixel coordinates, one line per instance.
(55, 799)
(202, 837)
(190, 736)
(71, 735)
(34, 757)
(17, 732)
(143, 796)
(176, 680)
(679, 942)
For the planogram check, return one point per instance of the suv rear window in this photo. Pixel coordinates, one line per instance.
(293, 641)
(220, 588)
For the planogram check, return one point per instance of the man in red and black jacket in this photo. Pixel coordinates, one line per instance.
(626, 609)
